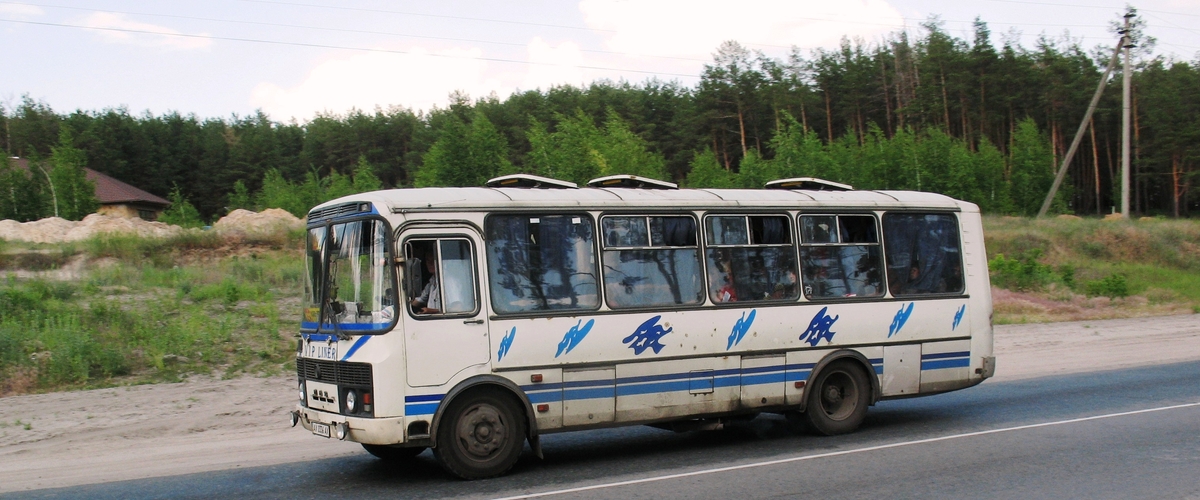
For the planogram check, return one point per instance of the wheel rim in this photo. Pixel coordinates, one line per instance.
(839, 395)
(481, 432)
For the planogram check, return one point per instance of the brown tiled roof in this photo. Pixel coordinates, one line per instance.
(108, 189)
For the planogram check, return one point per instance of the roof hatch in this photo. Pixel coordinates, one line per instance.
(808, 184)
(529, 181)
(630, 181)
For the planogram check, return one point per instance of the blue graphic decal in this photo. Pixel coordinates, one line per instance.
(819, 328)
(901, 318)
(739, 329)
(506, 344)
(647, 335)
(958, 316)
(573, 337)
(353, 348)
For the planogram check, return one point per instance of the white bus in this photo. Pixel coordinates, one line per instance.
(472, 320)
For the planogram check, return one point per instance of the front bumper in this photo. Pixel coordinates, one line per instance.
(381, 431)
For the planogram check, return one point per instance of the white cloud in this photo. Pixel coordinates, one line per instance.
(550, 65)
(419, 79)
(695, 28)
(20, 11)
(116, 28)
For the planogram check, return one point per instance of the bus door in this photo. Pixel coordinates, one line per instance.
(445, 327)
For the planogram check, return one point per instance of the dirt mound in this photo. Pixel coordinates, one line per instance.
(238, 225)
(58, 230)
(244, 224)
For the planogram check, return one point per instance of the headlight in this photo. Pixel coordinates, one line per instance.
(341, 430)
(351, 401)
(303, 394)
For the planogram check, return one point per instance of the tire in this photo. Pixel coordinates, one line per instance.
(838, 398)
(481, 435)
(393, 453)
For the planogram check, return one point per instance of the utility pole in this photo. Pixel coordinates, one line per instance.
(1127, 44)
(1083, 125)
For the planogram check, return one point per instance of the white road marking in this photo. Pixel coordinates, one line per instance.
(840, 453)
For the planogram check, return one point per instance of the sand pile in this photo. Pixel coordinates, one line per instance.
(58, 230)
(239, 224)
(244, 224)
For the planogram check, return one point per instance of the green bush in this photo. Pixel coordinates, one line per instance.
(1021, 273)
(1113, 286)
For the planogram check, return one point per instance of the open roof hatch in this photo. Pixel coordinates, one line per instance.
(808, 184)
(630, 181)
(529, 181)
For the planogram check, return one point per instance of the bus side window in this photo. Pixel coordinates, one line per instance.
(750, 258)
(923, 254)
(440, 277)
(541, 262)
(651, 261)
(840, 256)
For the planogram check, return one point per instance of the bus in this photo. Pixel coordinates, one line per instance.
(473, 320)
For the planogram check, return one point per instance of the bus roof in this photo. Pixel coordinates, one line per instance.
(484, 198)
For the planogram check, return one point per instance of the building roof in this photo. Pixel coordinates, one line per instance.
(109, 190)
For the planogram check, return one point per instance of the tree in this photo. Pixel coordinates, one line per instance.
(706, 172)
(624, 152)
(1031, 168)
(571, 152)
(75, 195)
(465, 154)
(181, 212)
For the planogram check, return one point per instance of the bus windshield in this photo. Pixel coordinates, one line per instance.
(348, 285)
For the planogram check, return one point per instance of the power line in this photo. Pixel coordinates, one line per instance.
(1051, 4)
(340, 30)
(420, 14)
(340, 47)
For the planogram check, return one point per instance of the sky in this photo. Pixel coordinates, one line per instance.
(293, 59)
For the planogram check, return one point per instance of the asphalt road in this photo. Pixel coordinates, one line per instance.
(1121, 434)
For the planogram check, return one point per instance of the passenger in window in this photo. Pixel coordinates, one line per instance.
(727, 293)
(430, 301)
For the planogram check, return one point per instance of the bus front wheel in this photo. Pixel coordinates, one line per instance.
(838, 398)
(481, 435)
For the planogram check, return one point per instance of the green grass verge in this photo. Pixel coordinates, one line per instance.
(153, 311)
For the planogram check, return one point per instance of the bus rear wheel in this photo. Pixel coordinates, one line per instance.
(838, 399)
(481, 435)
(393, 453)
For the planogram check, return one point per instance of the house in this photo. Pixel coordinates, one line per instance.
(117, 198)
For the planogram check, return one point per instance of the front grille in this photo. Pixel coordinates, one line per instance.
(342, 374)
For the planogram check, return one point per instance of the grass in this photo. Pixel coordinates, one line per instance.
(1071, 268)
(149, 310)
(152, 310)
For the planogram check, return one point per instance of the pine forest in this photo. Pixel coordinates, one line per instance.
(981, 119)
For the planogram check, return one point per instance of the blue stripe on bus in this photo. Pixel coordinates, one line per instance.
(544, 397)
(577, 394)
(677, 376)
(648, 384)
(421, 409)
(946, 363)
(769, 378)
(943, 355)
(350, 327)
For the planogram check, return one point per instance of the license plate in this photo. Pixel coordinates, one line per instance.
(320, 429)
